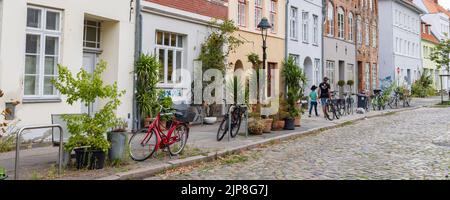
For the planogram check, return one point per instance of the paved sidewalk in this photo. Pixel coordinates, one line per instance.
(38, 163)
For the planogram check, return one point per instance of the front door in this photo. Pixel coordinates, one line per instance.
(90, 60)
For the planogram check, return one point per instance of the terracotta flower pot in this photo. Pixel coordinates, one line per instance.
(278, 125)
(297, 122)
(268, 125)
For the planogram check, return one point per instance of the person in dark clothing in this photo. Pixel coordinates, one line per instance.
(324, 94)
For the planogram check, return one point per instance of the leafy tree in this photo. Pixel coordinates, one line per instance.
(86, 129)
(441, 55)
(296, 82)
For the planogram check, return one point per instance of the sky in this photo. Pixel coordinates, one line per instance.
(445, 3)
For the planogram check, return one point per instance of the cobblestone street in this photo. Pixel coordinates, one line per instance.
(407, 145)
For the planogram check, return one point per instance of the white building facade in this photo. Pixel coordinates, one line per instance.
(36, 35)
(400, 56)
(304, 41)
(439, 20)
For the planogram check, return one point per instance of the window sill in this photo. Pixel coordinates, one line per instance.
(35, 100)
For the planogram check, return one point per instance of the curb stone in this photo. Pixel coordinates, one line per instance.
(145, 172)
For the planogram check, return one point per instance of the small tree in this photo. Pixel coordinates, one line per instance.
(85, 129)
(147, 72)
(296, 82)
(441, 55)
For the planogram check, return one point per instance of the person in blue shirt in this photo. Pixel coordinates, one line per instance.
(313, 99)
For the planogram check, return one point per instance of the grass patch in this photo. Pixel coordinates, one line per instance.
(390, 113)
(234, 159)
(347, 123)
(191, 152)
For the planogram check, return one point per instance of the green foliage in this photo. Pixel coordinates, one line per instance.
(341, 83)
(254, 59)
(7, 143)
(87, 130)
(296, 82)
(167, 103)
(441, 55)
(350, 83)
(121, 126)
(147, 72)
(218, 45)
(423, 87)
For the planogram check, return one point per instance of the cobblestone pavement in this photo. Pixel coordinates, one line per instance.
(407, 145)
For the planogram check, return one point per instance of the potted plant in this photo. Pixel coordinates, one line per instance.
(350, 84)
(147, 73)
(118, 139)
(256, 127)
(341, 85)
(295, 81)
(166, 102)
(267, 123)
(89, 130)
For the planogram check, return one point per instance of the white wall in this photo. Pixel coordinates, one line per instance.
(297, 46)
(193, 27)
(118, 50)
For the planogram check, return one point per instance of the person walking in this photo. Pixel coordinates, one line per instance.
(313, 99)
(324, 94)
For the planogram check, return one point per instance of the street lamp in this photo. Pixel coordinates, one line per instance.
(264, 25)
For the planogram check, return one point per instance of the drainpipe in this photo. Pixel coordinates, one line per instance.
(137, 52)
(323, 37)
(286, 39)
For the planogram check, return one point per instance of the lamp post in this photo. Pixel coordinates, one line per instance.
(264, 25)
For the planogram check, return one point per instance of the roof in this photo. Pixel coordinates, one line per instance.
(411, 5)
(434, 7)
(429, 37)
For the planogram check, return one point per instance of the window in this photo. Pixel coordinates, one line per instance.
(371, 5)
(330, 71)
(341, 32)
(374, 76)
(242, 9)
(330, 18)
(351, 27)
(91, 37)
(317, 68)
(270, 80)
(305, 20)
(258, 12)
(296, 58)
(169, 50)
(294, 23)
(374, 35)
(315, 29)
(42, 44)
(359, 30)
(367, 33)
(350, 72)
(367, 77)
(273, 15)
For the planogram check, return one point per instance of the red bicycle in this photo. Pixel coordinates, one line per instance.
(144, 144)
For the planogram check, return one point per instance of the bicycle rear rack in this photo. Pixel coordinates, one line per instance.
(19, 133)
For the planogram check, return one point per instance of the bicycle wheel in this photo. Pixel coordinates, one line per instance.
(329, 114)
(342, 107)
(336, 112)
(142, 145)
(179, 136)
(236, 122)
(223, 128)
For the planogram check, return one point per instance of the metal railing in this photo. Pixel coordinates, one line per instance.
(60, 153)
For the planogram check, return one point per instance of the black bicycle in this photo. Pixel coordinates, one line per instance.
(237, 112)
(349, 103)
(332, 108)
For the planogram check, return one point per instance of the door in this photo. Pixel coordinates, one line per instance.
(89, 62)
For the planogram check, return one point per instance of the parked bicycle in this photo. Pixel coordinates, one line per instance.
(237, 111)
(405, 97)
(171, 136)
(394, 99)
(332, 108)
(378, 102)
(349, 103)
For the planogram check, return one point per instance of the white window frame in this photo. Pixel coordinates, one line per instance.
(330, 71)
(359, 36)
(258, 12)
(273, 15)
(351, 26)
(341, 23)
(315, 29)
(330, 18)
(97, 41)
(42, 32)
(305, 27)
(294, 23)
(242, 13)
(166, 49)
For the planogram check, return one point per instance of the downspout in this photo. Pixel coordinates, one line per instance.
(286, 39)
(137, 52)
(323, 37)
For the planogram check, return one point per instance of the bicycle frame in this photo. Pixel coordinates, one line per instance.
(162, 139)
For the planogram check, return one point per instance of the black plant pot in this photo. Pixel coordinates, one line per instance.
(289, 124)
(91, 159)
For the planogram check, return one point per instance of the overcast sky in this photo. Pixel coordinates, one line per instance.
(445, 3)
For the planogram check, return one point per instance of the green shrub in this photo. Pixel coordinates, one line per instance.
(423, 87)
